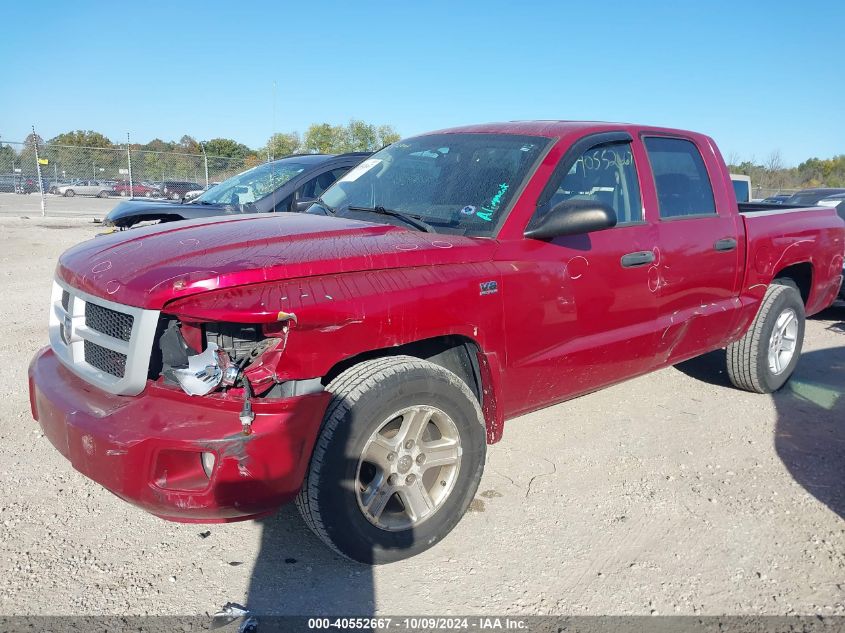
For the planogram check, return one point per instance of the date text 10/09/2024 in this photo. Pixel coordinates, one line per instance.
(420, 623)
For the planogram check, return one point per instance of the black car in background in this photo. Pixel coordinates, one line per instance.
(778, 198)
(810, 197)
(281, 185)
(176, 189)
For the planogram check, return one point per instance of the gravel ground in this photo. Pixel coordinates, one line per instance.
(669, 494)
(17, 205)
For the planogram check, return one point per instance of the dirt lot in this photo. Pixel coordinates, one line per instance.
(17, 205)
(669, 494)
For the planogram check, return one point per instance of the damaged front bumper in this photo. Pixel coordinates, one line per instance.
(148, 449)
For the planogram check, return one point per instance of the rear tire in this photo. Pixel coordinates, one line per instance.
(103, 194)
(765, 357)
(365, 453)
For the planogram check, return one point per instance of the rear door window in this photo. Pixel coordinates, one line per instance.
(680, 177)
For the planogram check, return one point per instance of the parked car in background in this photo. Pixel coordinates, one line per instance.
(176, 189)
(16, 183)
(11, 183)
(55, 184)
(281, 185)
(96, 188)
(836, 201)
(198, 192)
(778, 198)
(810, 197)
(137, 189)
(742, 187)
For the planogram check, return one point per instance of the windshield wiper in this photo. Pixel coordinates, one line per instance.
(414, 220)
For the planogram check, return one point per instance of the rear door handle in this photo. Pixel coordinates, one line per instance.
(640, 258)
(725, 244)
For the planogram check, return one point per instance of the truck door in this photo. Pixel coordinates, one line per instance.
(579, 311)
(699, 248)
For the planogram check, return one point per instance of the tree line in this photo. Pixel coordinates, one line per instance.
(79, 153)
(325, 138)
(771, 173)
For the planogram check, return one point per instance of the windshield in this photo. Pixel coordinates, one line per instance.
(252, 185)
(457, 183)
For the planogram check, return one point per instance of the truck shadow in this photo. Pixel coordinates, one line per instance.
(810, 428)
(295, 573)
(709, 368)
(810, 432)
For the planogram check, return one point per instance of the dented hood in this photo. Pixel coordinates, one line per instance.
(148, 267)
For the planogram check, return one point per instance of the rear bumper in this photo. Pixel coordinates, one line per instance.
(147, 449)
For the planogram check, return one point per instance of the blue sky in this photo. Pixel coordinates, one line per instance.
(757, 76)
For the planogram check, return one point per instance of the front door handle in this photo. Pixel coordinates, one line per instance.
(640, 258)
(725, 244)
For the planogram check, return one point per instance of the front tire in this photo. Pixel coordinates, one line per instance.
(70, 193)
(765, 357)
(397, 462)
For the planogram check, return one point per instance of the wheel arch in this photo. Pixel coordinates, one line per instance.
(801, 275)
(461, 355)
(458, 354)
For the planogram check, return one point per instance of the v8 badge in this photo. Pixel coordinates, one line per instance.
(489, 288)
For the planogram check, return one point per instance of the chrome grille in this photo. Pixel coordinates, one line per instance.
(110, 322)
(104, 359)
(108, 344)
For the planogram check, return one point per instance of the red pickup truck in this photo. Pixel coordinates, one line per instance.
(360, 356)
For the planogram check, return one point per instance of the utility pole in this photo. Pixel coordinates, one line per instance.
(38, 169)
(205, 160)
(272, 131)
(129, 161)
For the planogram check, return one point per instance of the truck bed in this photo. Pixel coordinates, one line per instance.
(778, 237)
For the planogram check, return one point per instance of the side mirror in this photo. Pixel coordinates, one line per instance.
(572, 217)
(302, 205)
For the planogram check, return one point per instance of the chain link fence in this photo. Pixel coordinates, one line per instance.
(121, 171)
(69, 170)
(760, 193)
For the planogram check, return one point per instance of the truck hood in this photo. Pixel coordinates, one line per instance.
(150, 266)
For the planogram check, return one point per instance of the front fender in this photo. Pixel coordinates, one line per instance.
(341, 316)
